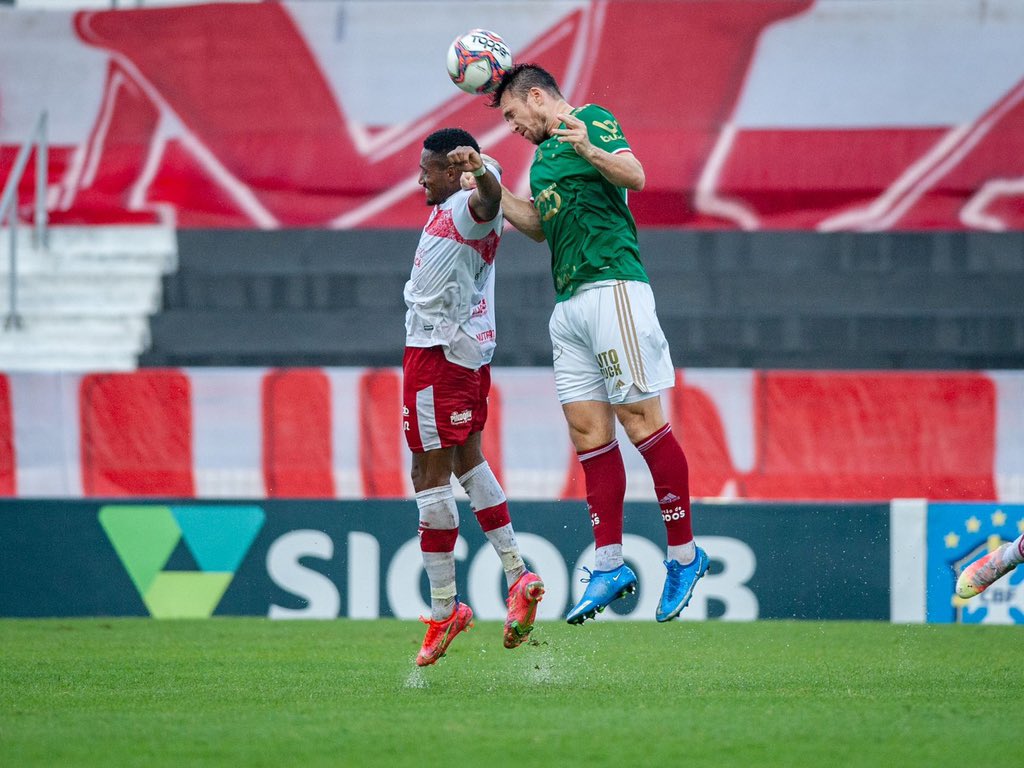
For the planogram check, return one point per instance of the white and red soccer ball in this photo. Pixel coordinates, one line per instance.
(478, 60)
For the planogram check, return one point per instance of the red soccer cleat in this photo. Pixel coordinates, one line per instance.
(441, 633)
(523, 598)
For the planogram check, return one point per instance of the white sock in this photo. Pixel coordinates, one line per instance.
(438, 512)
(485, 493)
(1013, 555)
(608, 558)
(682, 553)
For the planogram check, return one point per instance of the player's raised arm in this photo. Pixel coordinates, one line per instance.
(621, 168)
(485, 202)
(522, 214)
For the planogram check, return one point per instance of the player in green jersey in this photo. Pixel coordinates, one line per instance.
(611, 359)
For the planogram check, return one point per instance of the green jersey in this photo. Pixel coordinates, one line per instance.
(588, 226)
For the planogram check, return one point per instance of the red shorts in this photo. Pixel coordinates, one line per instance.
(443, 403)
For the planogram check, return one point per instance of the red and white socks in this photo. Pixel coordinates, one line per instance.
(605, 477)
(671, 475)
(490, 506)
(439, 530)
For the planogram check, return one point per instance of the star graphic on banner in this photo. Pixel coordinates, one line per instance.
(973, 524)
(951, 540)
(999, 518)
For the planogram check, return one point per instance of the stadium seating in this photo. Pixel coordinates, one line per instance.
(938, 300)
(84, 301)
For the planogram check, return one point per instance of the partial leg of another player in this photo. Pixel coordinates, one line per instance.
(592, 429)
(983, 572)
(487, 499)
(685, 563)
(439, 530)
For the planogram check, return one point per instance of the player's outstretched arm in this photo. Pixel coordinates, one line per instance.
(485, 201)
(522, 214)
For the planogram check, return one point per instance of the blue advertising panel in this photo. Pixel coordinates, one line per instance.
(361, 559)
(957, 535)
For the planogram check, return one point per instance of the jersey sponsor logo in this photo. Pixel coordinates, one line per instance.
(462, 417)
(608, 362)
(610, 128)
(548, 203)
(480, 309)
(485, 336)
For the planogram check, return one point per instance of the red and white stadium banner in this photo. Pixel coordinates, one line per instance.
(337, 433)
(791, 114)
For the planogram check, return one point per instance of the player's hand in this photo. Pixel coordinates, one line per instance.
(465, 159)
(575, 133)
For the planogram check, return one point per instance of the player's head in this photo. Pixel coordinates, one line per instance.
(438, 176)
(528, 98)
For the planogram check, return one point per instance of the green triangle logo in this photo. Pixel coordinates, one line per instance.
(145, 536)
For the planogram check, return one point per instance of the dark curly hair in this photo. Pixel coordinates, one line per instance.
(445, 140)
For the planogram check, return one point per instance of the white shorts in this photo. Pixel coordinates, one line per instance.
(608, 345)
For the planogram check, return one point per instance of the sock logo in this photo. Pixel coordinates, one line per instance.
(216, 538)
(672, 514)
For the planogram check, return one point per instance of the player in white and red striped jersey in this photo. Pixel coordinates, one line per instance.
(450, 339)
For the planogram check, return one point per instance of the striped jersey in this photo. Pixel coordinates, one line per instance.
(450, 293)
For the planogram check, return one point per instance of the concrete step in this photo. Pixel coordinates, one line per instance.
(91, 250)
(93, 294)
(85, 298)
(66, 360)
(45, 335)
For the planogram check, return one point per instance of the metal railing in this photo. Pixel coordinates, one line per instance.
(9, 208)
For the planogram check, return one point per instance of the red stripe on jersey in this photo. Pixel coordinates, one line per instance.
(297, 434)
(136, 434)
(8, 484)
(380, 429)
(442, 225)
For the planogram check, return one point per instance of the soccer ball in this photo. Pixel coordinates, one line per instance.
(478, 60)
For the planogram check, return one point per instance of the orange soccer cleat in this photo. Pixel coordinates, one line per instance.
(441, 633)
(523, 597)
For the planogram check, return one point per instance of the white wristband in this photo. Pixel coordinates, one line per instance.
(480, 171)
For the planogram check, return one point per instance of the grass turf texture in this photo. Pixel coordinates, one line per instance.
(251, 692)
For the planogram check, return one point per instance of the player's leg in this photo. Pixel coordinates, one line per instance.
(685, 562)
(438, 526)
(983, 572)
(490, 507)
(591, 425)
(640, 367)
(430, 390)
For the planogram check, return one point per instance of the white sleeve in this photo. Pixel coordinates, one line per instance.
(464, 219)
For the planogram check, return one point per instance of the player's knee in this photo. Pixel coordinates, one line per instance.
(431, 469)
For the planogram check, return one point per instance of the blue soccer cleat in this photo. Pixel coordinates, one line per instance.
(679, 584)
(603, 587)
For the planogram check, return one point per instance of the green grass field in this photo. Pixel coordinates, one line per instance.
(251, 692)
